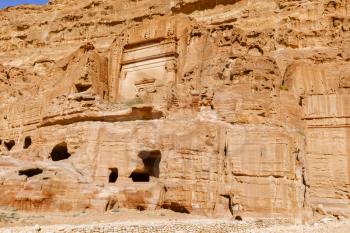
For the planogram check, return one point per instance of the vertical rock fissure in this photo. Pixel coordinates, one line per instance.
(305, 187)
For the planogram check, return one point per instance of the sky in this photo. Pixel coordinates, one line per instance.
(6, 3)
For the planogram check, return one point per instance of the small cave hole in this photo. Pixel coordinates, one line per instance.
(301, 101)
(30, 172)
(140, 208)
(238, 218)
(81, 88)
(9, 144)
(113, 176)
(139, 177)
(27, 142)
(60, 152)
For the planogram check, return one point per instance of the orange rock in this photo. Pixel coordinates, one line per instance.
(223, 108)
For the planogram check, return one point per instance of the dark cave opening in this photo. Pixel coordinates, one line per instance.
(176, 207)
(113, 176)
(139, 177)
(30, 172)
(151, 160)
(60, 152)
(27, 142)
(9, 144)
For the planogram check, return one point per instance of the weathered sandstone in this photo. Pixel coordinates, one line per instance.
(216, 107)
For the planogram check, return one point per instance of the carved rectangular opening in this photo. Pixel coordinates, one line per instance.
(138, 176)
(151, 161)
(150, 166)
(146, 69)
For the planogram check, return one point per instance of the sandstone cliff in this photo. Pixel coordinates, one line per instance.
(218, 107)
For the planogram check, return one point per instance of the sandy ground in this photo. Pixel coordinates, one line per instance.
(16, 219)
(153, 221)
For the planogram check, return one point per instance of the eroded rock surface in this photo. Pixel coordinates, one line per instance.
(224, 108)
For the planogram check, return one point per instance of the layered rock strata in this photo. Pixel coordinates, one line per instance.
(225, 108)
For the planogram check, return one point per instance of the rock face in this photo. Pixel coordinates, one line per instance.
(225, 108)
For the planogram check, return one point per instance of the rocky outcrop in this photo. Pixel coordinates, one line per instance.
(225, 108)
